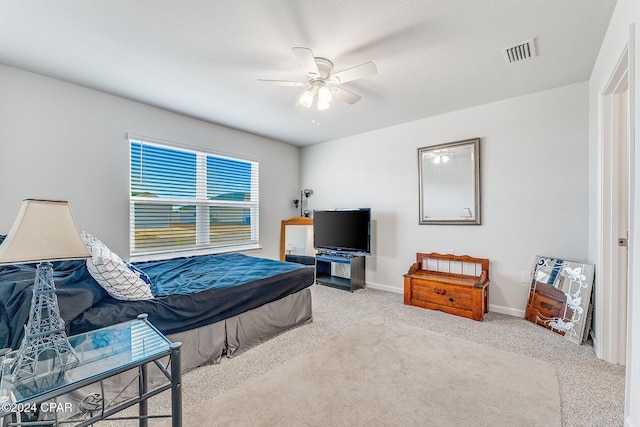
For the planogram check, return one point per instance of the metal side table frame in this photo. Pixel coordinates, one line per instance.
(103, 354)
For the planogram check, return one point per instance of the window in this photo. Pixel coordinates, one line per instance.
(186, 200)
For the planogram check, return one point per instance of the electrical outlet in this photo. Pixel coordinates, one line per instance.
(525, 276)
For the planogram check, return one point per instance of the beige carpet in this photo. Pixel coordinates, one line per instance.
(384, 373)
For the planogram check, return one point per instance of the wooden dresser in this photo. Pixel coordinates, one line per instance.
(547, 304)
(455, 284)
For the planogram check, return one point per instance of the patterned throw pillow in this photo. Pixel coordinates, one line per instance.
(120, 279)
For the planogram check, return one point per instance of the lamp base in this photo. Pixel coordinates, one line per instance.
(44, 332)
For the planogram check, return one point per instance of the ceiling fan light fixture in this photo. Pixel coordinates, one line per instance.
(323, 105)
(319, 72)
(324, 95)
(306, 100)
(324, 98)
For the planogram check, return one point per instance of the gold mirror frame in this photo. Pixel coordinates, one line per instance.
(283, 231)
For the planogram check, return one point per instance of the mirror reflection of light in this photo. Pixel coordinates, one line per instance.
(440, 158)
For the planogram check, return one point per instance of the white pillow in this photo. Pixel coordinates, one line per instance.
(120, 279)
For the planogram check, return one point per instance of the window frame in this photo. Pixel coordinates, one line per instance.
(202, 205)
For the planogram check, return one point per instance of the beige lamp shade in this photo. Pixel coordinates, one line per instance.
(43, 231)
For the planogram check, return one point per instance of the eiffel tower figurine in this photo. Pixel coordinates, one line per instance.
(45, 329)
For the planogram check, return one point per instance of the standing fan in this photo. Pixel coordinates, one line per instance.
(319, 76)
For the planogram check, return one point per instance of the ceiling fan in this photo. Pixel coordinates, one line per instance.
(319, 75)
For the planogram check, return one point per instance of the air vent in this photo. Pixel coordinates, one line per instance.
(520, 52)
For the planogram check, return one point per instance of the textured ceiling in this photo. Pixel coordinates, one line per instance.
(202, 58)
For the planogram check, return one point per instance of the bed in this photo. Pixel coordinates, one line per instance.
(214, 304)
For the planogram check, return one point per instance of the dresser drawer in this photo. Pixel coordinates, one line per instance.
(440, 294)
(549, 306)
(546, 306)
(542, 308)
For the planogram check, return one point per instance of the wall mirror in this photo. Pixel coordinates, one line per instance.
(296, 240)
(559, 298)
(449, 183)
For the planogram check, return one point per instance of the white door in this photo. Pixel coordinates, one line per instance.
(611, 296)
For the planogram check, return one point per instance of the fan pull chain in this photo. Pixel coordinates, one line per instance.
(316, 121)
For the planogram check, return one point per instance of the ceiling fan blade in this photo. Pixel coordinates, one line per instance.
(353, 73)
(283, 82)
(307, 60)
(344, 95)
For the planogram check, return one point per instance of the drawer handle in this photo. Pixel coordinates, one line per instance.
(439, 291)
(546, 305)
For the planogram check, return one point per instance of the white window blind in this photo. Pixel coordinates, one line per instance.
(186, 200)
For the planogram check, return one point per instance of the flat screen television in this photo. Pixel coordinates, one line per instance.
(342, 230)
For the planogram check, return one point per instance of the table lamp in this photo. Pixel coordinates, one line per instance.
(44, 231)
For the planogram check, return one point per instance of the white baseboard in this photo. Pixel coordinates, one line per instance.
(506, 310)
(596, 344)
(492, 307)
(387, 288)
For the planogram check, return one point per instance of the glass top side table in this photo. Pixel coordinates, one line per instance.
(103, 353)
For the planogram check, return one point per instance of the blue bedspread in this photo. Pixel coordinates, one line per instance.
(197, 274)
(190, 292)
(196, 291)
(76, 291)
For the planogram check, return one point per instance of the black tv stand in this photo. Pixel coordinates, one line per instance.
(355, 279)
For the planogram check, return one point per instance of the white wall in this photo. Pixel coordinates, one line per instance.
(623, 29)
(534, 188)
(62, 141)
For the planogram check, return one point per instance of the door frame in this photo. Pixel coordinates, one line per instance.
(610, 327)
